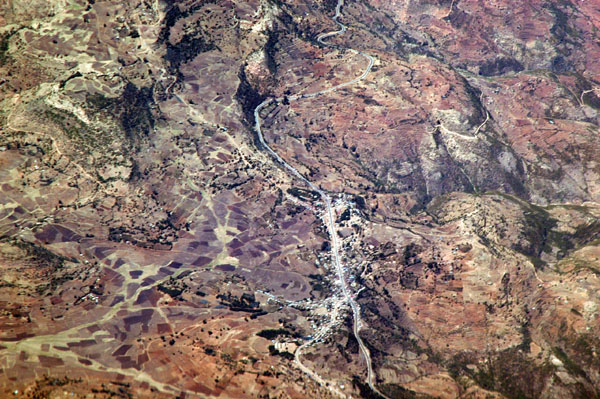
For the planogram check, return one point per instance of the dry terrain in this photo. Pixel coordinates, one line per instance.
(151, 246)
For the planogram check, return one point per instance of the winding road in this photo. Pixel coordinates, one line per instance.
(329, 214)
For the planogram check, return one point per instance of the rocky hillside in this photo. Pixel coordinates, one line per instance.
(150, 246)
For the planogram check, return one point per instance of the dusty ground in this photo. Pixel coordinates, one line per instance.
(149, 248)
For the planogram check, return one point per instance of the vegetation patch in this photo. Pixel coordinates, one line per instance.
(304, 194)
(131, 110)
(249, 98)
(244, 303)
(509, 372)
(397, 391)
(4, 44)
(365, 390)
(284, 354)
(273, 333)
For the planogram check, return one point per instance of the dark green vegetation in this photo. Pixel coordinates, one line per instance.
(515, 376)
(249, 98)
(50, 269)
(43, 388)
(500, 66)
(564, 34)
(77, 132)
(542, 235)
(172, 292)
(132, 111)
(329, 5)
(284, 354)
(244, 303)
(132, 117)
(4, 43)
(187, 49)
(344, 216)
(320, 286)
(395, 391)
(579, 351)
(365, 390)
(175, 286)
(508, 372)
(191, 44)
(41, 254)
(304, 194)
(167, 229)
(273, 333)
(590, 98)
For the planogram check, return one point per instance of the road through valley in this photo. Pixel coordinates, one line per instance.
(328, 216)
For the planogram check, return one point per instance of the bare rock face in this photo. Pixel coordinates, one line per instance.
(151, 246)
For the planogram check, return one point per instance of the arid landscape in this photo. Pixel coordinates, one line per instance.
(284, 199)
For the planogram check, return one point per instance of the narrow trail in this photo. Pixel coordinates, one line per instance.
(329, 219)
(476, 133)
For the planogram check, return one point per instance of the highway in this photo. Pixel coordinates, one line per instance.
(329, 218)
